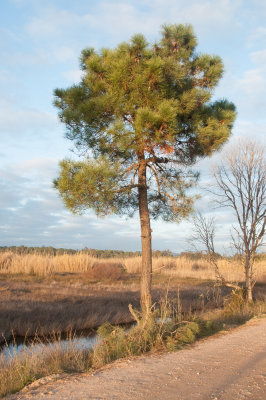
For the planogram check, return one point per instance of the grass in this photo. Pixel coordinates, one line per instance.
(166, 329)
(179, 267)
(46, 307)
(47, 294)
(39, 360)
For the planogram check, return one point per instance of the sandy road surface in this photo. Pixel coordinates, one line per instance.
(229, 366)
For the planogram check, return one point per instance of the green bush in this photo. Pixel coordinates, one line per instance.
(209, 327)
(234, 303)
(150, 335)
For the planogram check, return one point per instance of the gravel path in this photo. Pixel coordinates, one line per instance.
(229, 366)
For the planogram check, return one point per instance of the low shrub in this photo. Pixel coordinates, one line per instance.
(199, 267)
(210, 327)
(149, 335)
(105, 271)
(235, 302)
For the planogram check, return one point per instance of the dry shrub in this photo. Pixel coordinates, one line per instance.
(5, 260)
(105, 271)
(163, 263)
(199, 267)
(132, 264)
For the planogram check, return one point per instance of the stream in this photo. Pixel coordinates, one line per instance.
(11, 350)
(80, 340)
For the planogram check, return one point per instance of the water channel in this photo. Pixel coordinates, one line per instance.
(19, 348)
(79, 340)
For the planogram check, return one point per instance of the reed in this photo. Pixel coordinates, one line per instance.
(39, 359)
(44, 265)
(180, 267)
(233, 271)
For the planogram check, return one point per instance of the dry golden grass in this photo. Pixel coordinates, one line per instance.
(180, 267)
(233, 271)
(44, 265)
(184, 267)
(40, 359)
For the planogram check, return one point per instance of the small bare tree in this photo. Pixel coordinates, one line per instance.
(204, 233)
(240, 183)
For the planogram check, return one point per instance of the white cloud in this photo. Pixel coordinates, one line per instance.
(73, 75)
(31, 209)
(261, 6)
(51, 22)
(48, 55)
(22, 120)
(110, 18)
(257, 36)
(247, 89)
(7, 79)
(8, 34)
(252, 85)
(207, 14)
(250, 129)
(259, 58)
(42, 169)
(62, 54)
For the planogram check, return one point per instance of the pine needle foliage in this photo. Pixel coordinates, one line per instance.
(136, 99)
(141, 114)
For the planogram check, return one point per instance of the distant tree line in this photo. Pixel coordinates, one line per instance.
(196, 255)
(52, 251)
(37, 250)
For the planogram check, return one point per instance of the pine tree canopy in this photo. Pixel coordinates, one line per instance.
(141, 105)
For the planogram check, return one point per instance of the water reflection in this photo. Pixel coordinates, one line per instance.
(80, 343)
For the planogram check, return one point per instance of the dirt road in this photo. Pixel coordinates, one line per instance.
(230, 366)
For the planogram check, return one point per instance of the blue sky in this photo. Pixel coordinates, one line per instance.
(40, 44)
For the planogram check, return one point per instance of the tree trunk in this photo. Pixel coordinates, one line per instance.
(146, 271)
(248, 276)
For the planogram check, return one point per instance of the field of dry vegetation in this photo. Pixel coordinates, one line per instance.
(180, 267)
(45, 295)
(49, 294)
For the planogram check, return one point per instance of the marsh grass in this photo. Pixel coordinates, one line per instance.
(44, 265)
(19, 368)
(180, 267)
(171, 326)
(167, 328)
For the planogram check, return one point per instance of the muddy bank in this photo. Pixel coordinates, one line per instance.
(27, 308)
(46, 307)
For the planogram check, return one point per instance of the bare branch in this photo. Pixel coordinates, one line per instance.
(241, 184)
(204, 232)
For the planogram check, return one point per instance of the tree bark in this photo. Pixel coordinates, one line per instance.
(146, 271)
(248, 276)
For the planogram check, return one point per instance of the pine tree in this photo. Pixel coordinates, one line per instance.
(139, 116)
